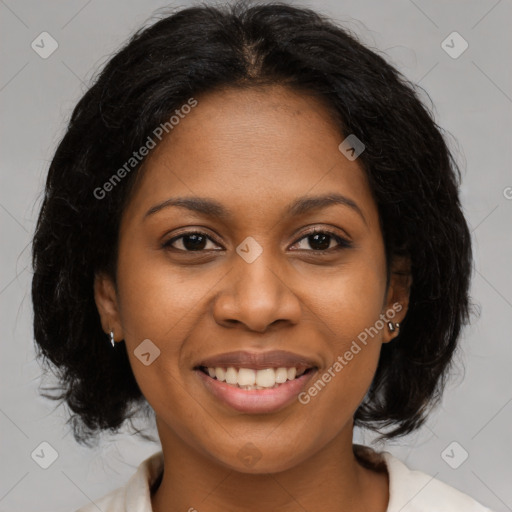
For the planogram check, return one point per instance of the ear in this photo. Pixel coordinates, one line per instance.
(397, 299)
(105, 296)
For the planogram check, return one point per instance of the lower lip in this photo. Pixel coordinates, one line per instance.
(256, 401)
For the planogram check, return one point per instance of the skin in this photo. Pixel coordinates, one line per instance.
(255, 151)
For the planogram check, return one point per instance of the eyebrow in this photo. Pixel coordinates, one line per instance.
(213, 208)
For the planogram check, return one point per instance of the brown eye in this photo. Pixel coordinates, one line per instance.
(190, 241)
(320, 240)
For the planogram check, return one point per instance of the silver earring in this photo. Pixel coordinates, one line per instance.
(112, 338)
(392, 326)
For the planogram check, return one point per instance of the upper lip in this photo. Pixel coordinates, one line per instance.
(258, 360)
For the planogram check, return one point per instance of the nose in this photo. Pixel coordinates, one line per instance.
(257, 296)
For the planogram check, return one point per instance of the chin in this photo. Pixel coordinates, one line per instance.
(251, 460)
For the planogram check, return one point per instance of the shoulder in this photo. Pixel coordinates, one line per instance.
(415, 491)
(112, 502)
(136, 494)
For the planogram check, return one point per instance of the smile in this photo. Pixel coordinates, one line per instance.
(255, 382)
(251, 379)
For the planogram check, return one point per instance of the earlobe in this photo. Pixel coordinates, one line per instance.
(397, 300)
(105, 297)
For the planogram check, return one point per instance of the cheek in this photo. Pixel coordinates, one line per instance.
(160, 305)
(158, 301)
(349, 298)
(349, 308)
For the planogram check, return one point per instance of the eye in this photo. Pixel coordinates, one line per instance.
(196, 241)
(320, 240)
(191, 241)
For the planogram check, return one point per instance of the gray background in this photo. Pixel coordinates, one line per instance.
(472, 95)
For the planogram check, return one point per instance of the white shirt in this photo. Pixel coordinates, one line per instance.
(409, 491)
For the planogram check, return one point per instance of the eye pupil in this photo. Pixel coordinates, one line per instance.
(197, 242)
(320, 239)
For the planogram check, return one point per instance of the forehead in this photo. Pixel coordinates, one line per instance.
(254, 150)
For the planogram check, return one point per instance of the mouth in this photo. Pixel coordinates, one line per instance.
(255, 383)
(252, 378)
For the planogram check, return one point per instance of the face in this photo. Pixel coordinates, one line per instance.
(264, 269)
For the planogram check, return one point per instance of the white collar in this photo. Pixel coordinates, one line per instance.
(409, 490)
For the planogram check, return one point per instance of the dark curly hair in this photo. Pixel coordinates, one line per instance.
(412, 174)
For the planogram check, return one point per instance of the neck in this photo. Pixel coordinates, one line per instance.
(331, 479)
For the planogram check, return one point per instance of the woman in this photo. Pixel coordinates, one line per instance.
(252, 227)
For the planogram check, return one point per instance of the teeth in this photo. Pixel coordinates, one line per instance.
(266, 378)
(231, 376)
(247, 378)
(281, 375)
(220, 373)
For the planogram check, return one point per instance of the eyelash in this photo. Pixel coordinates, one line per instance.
(343, 243)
